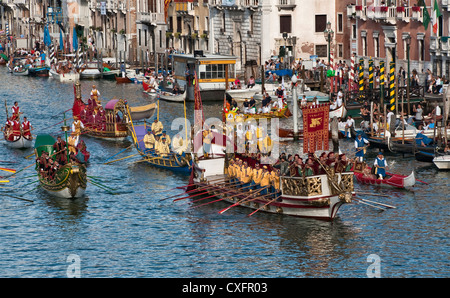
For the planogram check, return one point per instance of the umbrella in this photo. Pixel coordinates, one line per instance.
(61, 41)
(75, 40)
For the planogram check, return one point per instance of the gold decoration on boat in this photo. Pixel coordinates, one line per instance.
(347, 182)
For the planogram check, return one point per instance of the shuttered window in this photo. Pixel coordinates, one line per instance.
(285, 24)
(321, 22)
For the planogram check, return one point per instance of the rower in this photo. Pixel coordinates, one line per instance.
(246, 175)
(380, 166)
(77, 125)
(256, 177)
(72, 143)
(265, 180)
(231, 171)
(16, 110)
(157, 127)
(164, 135)
(60, 150)
(163, 148)
(95, 94)
(360, 147)
(15, 129)
(26, 128)
(149, 140)
(275, 181)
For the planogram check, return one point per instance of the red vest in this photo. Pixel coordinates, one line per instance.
(26, 128)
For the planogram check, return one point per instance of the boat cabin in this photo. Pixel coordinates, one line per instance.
(213, 71)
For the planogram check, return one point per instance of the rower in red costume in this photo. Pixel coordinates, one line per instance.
(16, 110)
(101, 119)
(15, 130)
(93, 120)
(60, 150)
(26, 128)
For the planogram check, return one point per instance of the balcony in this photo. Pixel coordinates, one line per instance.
(286, 5)
(445, 4)
(111, 5)
(386, 14)
(151, 18)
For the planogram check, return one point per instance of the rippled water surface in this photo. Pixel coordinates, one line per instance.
(134, 234)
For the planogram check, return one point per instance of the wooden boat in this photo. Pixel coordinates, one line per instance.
(71, 76)
(111, 74)
(283, 113)
(396, 180)
(70, 180)
(39, 71)
(442, 162)
(312, 197)
(120, 80)
(339, 112)
(181, 163)
(168, 96)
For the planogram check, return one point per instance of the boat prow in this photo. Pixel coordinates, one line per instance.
(442, 162)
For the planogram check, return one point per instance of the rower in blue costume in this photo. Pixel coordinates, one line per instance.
(380, 165)
(360, 146)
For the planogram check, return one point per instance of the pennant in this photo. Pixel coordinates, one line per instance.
(426, 16)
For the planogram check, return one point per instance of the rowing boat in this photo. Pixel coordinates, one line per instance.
(283, 113)
(69, 181)
(310, 197)
(339, 112)
(21, 143)
(396, 180)
(169, 96)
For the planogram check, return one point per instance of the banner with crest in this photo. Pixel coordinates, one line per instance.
(315, 127)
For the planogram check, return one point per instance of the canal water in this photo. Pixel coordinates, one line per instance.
(134, 234)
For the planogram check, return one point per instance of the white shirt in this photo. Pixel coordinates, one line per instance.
(350, 122)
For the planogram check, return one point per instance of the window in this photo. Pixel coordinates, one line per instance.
(212, 71)
(223, 21)
(285, 24)
(364, 46)
(321, 22)
(421, 50)
(340, 22)
(376, 42)
(340, 52)
(139, 37)
(322, 50)
(354, 31)
(179, 24)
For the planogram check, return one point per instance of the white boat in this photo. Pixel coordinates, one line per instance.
(65, 77)
(244, 93)
(168, 96)
(339, 112)
(23, 72)
(90, 73)
(20, 143)
(442, 162)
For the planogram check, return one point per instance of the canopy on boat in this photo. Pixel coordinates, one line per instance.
(44, 142)
(111, 104)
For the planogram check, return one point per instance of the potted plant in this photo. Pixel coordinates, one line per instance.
(177, 34)
(194, 35)
(169, 34)
(122, 31)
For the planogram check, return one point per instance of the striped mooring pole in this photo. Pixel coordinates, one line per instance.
(392, 85)
(371, 73)
(361, 74)
(382, 74)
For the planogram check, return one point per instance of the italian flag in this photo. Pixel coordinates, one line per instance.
(435, 16)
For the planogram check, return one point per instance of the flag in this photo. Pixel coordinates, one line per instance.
(166, 9)
(47, 39)
(61, 41)
(75, 40)
(436, 14)
(426, 16)
(315, 128)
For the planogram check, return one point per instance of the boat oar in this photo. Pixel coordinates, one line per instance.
(381, 204)
(230, 191)
(422, 182)
(204, 187)
(121, 158)
(365, 203)
(271, 201)
(240, 201)
(21, 170)
(95, 184)
(372, 194)
(191, 196)
(18, 198)
(8, 170)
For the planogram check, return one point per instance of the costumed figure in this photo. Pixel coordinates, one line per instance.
(26, 128)
(380, 165)
(360, 147)
(60, 151)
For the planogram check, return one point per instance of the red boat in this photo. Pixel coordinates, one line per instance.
(395, 180)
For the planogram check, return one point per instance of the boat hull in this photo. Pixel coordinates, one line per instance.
(399, 181)
(442, 162)
(67, 77)
(69, 183)
(339, 112)
(311, 199)
(21, 143)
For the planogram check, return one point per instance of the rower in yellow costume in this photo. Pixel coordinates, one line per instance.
(157, 127)
(257, 176)
(275, 181)
(163, 148)
(72, 143)
(265, 180)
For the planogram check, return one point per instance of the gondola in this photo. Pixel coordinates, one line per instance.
(69, 181)
(21, 143)
(39, 71)
(122, 80)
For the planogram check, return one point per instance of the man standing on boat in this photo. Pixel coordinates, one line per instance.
(360, 146)
(16, 110)
(77, 125)
(26, 128)
(95, 94)
(380, 165)
(60, 151)
(157, 127)
(149, 140)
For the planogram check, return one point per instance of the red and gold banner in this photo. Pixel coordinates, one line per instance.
(315, 128)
